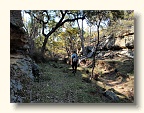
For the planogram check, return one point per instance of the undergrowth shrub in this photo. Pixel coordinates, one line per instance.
(38, 57)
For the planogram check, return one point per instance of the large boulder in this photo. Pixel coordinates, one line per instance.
(111, 95)
(129, 41)
(125, 42)
(21, 78)
(108, 43)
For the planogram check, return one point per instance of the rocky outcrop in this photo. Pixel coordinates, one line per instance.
(23, 69)
(122, 40)
(21, 78)
(124, 52)
(18, 37)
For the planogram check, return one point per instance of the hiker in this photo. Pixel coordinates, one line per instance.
(74, 61)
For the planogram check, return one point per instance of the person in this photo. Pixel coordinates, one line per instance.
(74, 61)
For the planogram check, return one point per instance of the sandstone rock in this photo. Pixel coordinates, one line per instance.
(111, 95)
(18, 37)
(21, 79)
(15, 18)
(123, 39)
(120, 42)
(22, 69)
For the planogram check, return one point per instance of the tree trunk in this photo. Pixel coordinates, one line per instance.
(44, 46)
(82, 39)
(60, 23)
(93, 65)
(95, 49)
(46, 39)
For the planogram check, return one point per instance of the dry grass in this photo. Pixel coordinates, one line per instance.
(59, 85)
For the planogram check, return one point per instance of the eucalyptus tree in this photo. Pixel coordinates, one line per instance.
(96, 18)
(32, 28)
(101, 18)
(81, 13)
(120, 21)
(51, 20)
(70, 39)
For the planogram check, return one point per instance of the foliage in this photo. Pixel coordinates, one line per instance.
(38, 41)
(52, 20)
(96, 18)
(55, 30)
(70, 39)
(122, 24)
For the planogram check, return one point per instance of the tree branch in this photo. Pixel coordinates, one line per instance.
(71, 20)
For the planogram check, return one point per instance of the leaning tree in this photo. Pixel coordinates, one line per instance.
(51, 20)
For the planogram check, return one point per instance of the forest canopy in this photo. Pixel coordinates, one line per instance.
(61, 31)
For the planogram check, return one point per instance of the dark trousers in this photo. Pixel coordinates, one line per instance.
(74, 66)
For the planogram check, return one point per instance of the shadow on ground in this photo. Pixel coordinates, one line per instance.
(58, 84)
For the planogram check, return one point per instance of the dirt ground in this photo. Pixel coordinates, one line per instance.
(116, 74)
(59, 85)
